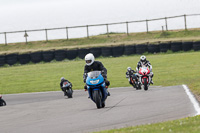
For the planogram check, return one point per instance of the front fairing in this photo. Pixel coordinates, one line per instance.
(144, 71)
(94, 78)
(95, 81)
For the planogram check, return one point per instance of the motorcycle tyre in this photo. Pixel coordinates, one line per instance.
(145, 84)
(97, 98)
(69, 93)
(2, 102)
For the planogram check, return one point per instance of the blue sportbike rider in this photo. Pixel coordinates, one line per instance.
(92, 65)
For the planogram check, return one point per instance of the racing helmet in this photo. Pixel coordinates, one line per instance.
(89, 59)
(62, 79)
(128, 69)
(143, 58)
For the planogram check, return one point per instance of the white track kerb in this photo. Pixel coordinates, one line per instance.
(192, 99)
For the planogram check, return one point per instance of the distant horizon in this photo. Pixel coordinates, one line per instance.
(28, 15)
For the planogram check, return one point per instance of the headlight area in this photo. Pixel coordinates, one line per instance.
(94, 81)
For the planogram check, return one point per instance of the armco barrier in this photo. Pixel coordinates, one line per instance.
(24, 58)
(129, 49)
(196, 45)
(105, 51)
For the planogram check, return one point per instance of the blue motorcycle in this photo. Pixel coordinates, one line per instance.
(96, 88)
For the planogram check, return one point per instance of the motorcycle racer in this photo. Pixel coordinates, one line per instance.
(92, 65)
(146, 63)
(61, 85)
(130, 72)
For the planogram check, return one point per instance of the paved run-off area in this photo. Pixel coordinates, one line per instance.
(51, 112)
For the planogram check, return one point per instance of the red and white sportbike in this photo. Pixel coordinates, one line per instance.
(144, 75)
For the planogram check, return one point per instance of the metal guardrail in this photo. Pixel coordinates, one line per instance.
(107, 27)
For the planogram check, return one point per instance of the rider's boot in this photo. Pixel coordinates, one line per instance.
(107, 84)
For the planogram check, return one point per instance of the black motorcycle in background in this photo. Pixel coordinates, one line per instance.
(133, 80)
(67, 88)
(2, 102)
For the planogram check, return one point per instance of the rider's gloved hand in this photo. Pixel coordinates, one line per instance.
(107, 82)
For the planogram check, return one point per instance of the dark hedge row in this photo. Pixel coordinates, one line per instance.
(114, 51)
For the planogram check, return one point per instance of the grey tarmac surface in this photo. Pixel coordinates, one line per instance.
(51, 112)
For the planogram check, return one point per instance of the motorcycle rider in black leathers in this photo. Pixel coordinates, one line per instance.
(61, 85)
(131, 72)
(92, 65)
(146, 63)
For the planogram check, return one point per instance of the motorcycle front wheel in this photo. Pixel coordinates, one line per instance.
(145, 84)
(97, 98)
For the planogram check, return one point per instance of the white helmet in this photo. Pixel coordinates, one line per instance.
(89, 59)
(143, 58)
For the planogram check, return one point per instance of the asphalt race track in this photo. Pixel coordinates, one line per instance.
(51, 112)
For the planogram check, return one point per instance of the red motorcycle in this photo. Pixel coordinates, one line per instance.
(2, 102)
(144, 75)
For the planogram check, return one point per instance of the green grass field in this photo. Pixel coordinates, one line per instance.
(186, 125)
(169, 69)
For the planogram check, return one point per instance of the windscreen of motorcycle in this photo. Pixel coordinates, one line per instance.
(94, 74)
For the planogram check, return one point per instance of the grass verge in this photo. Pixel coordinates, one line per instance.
(169, 69)
(186, 125)
(102, 40)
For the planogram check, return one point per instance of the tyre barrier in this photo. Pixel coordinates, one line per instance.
(48, 56)
(141, 48)
(60, 55)
(24, 58)
(196, 45)
(176, 46)
(164, 47)
(153, 48)
(36, 56)
(187, 46)
(72, 54)
(129, 49)
(11, 59)
(83, 52)
(117, 51)
(106, 51)
(2, 60)
(96, 51)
